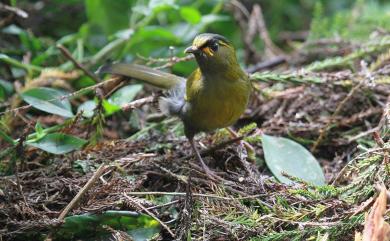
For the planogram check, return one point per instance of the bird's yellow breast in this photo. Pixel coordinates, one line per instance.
(216, 103)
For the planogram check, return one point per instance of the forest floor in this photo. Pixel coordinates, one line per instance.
(337, 107)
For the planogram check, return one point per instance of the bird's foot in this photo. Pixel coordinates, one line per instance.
(210, 174)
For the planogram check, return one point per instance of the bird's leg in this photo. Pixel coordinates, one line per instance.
(206, 169)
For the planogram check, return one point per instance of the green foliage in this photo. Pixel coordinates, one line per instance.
(371, 47)
(310, 232)
(140, 227)
(6, 88)
(286, 156)
(16, 63)
(247, 129)
(57, 143)
(267, 76)
(108, 16)
(125, 94)
(126, 30)
(48, 100)
(87, 108)
(114, 103)
(356, 23)
(191, 15)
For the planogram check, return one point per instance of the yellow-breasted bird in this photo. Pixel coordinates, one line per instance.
(213, 96)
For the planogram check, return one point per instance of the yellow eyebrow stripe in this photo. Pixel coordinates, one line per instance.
(208, 51)
(223, 43)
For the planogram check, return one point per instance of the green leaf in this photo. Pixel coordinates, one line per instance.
(284, 155)
(161, 5)
(48, 100)
(91, 226)
(110, 108)
(154, 33)
(39, 131)
(87, 107)
(125, 94)
(7, 86)
(58, 143)
(113, 104)
(108, 15)
(191, 15)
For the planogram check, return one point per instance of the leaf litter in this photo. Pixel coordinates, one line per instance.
(249, 204)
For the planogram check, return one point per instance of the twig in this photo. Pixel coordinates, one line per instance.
(242, 8)
(303, 224)
(324, 130)
(164, 205)
(363, 134)
(360, 116)
(248, 29)
(344, 169)
(150, 214)
(185, 216)
(109, 48)
(7, 20)
(381, 144)
(69, 56)
(249, 148)
(182, 194)
(20, 156)
(77, 198)
(82, 191)
(15, 10)
(384, 122)
(138, 103)
(152, 60)
(271, 49)
(269, 63)
(176, 176)
(220, 146)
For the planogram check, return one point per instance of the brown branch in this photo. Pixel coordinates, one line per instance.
(248, 29)
(138, 103)
(19, 155)
(269, 63)
(271, 49)
(17, 11)
(79, 195)
(82, 191)
(379, 141)
(69, 56)
(360, 116)
(132, 200)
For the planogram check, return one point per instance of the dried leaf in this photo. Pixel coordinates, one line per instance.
(375, 228)
(358, 236)
(53, 77)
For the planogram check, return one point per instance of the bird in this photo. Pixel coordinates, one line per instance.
(213, 96)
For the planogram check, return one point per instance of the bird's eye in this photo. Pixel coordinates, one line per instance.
(214, 47)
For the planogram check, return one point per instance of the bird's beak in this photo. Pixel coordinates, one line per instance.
(191, 50)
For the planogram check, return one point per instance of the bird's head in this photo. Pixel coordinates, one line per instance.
(213, 52)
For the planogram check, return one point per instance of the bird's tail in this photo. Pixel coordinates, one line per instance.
(151, 76)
